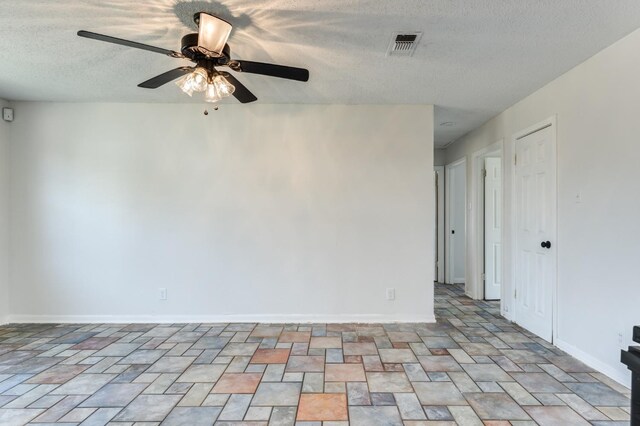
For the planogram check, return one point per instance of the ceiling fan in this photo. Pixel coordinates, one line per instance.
(208, 49)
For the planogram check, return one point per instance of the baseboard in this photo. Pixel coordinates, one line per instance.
(594, 363)
(186, 319)
(505, 314)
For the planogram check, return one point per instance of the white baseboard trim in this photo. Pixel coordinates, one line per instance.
(594, 363)
(186, 319)
(505, 314)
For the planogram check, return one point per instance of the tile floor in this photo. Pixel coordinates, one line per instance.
(471, 368)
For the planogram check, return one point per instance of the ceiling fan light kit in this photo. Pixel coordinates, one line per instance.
(215, 86)
(194, 82)
(208, 49)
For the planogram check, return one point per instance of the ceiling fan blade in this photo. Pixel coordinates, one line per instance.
(241, 93)
(129, 43)
(165, 78)
(282, 71)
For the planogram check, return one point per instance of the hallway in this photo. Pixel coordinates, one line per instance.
(471, 367)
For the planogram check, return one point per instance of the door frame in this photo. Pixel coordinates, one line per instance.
(447, 183)
(475, 232)
(440, 232)
(548, 122)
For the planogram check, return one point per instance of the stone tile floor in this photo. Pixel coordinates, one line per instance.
(471, 368)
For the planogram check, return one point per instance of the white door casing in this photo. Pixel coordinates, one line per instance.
(535, 224)
(492, 228)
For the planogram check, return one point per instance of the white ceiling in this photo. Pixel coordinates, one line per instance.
(476, 58)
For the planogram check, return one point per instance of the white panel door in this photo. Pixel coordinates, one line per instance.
(535, 210)
(436, 233)
(492, 228)
(456, 182)
(440, 224)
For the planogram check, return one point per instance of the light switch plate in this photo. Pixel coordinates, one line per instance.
(391, 294)
(7, 114)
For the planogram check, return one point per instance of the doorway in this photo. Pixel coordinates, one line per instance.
(534, 213)
(440, 230)
(485, 232)
(455, 199)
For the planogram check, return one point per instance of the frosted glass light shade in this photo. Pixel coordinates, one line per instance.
(212, 94)
(223, 86)
(213, 34)
(186, 84)
(200, 77)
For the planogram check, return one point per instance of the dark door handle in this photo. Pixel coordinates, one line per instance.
(453, 231)
(546, 244)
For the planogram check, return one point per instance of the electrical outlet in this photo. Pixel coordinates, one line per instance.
(621, 339)
(162, 294)
(7, 114)
(391, 294)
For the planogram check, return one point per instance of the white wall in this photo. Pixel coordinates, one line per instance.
(4, 216)
(598, 130)
(255, 212)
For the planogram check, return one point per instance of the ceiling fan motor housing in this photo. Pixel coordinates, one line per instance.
(190, 49)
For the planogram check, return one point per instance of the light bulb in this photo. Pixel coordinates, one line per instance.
(223, 87)
(212, 94)
(186, 84)
(199, 79)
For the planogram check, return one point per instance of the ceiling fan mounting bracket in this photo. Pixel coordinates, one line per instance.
(196, 18)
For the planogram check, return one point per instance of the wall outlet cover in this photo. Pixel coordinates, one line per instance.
(7, 114)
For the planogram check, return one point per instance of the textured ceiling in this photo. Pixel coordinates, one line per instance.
(476, 58)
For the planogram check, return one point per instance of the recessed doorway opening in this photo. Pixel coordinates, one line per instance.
(486, 224)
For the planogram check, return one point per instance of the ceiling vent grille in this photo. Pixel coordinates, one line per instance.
(404, 43)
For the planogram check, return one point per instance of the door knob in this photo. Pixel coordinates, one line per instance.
(546, 244)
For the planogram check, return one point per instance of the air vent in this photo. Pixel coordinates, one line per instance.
(404, 44)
